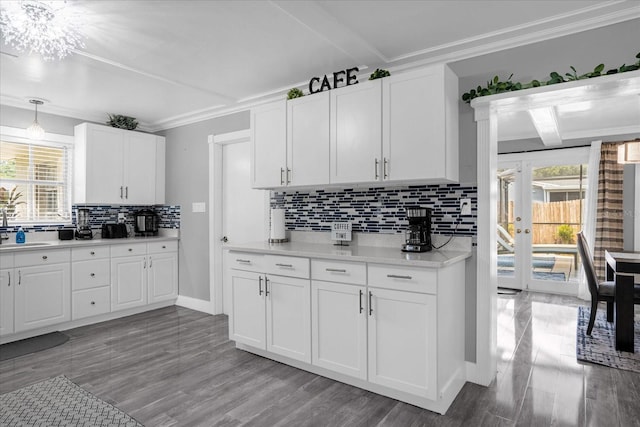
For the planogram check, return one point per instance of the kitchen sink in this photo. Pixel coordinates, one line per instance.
(23, 245)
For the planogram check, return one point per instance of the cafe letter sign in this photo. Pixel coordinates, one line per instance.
(344, 76)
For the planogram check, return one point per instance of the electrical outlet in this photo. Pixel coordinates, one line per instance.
(465, 206)
(121, 216)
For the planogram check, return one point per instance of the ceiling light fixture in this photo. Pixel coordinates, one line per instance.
(35, 131)
(50, 28)
(629, 152)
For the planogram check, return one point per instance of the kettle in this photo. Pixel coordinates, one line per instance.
(146, 223)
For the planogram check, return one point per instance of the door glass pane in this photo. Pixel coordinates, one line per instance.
(506, 241)
(557, 198)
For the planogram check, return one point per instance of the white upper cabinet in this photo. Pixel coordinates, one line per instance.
(420, 126)
(269, 145)
(118, 166)
(308, 140)
(356, 133)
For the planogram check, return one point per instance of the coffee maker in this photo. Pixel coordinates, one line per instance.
(83, 230)
(418, 235)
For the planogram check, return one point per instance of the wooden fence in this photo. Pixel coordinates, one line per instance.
(548, 218)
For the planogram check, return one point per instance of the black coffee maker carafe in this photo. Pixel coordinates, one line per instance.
(418, 235)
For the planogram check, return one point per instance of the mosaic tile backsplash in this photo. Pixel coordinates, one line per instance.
(379, 210)
(99, 214)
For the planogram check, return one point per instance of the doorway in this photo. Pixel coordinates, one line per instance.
(540, 210)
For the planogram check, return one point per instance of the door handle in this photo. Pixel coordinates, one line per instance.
(9, 277)
(19, 277)
(284, 265)
(281, 176)
(360, 300)
(224, 239)
(526, 230)
(266, 286)
(288, 176)
(518, 218)
(259, 285)
(375, 167)
(385, 162)
(126, 192)
(518, 231)
(370, 305)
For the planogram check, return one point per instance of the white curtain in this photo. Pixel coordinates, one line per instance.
(589, 213)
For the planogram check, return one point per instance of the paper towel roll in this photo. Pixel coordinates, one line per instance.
(277, 224)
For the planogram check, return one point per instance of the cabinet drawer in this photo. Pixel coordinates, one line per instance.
(246, 261)
(90, 302)
(53, 256)
(287, 266)
(339, 271)
(6, 260)
(414, 279)
(90, 274)
(89, 252)
(129, 250)
(162, 247)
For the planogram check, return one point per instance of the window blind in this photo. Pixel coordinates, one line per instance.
(35, 182)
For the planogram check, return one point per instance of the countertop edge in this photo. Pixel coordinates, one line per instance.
(452, 256)
(65, 244)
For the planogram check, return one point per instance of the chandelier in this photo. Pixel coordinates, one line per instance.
(50, 28)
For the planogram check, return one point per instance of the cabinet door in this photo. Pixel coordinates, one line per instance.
(163, 277)
(128, 282)
(308, 140)
(402, 341)
(413, 125)
(42, 296)
(339, 328)
(7, 285)
(356, 133)
(103, 165)
(289, 317)
(247, 317)
(139, 168)
(269, 145)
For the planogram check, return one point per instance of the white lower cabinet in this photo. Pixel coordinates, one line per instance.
(128, 282)
(42, 296)
(271, 312)
(7, 286)
(339, 327)
(402, 341)
(163, 272)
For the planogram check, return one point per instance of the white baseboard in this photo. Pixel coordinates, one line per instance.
(195, 304)
(473, 376)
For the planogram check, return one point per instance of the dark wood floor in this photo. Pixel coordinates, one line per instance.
(175, 366)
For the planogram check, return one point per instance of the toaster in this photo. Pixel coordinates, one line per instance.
(114, 231)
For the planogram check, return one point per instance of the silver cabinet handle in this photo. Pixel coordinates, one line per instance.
(164, 247)
(130, 249)
(93, 303)
(266, 286)
(145, 263)
(396, 276)
(281, 176)
(150, 262)
(259, 285)
(336, 270)
(126, 192)
(385, 175)
(243, 261)
(288, 176)
(92, 253)
(284, 265)
(370, 305)
(376, 162)
(121, 191)
(93, 275)
(360, 301)
(19, 277)
(9, 277)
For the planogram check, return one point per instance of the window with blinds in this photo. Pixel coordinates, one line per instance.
(35, 182)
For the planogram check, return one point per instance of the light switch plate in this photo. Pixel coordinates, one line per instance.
(465, 206)
(198, 207)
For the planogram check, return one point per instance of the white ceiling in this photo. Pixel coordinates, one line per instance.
(175, 62)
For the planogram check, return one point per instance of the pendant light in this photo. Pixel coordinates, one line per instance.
(35, 131)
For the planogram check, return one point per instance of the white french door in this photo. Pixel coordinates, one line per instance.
(540, 210)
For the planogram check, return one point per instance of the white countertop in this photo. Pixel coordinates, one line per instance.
(37, 245)
(383, 255)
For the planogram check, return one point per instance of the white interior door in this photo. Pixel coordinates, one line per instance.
(243, 208)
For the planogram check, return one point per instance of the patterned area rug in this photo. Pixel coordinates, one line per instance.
(59, 402)
(600, 346)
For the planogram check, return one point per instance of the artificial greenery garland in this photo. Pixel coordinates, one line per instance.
(122, 122)
(496, 86)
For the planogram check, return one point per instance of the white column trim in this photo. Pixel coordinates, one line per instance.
(636, 226)
(486, 281)
(215, 213)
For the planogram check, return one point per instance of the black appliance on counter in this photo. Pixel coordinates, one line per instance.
(146, 223)
(83, 229)
(418, 235)
(114, 231)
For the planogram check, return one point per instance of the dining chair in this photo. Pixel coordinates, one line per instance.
(600, 291)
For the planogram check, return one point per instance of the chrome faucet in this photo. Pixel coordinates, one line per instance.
(4, 235)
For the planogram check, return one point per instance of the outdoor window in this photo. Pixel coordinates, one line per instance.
(35, 181)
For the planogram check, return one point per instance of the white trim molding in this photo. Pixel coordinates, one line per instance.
(195, 304)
